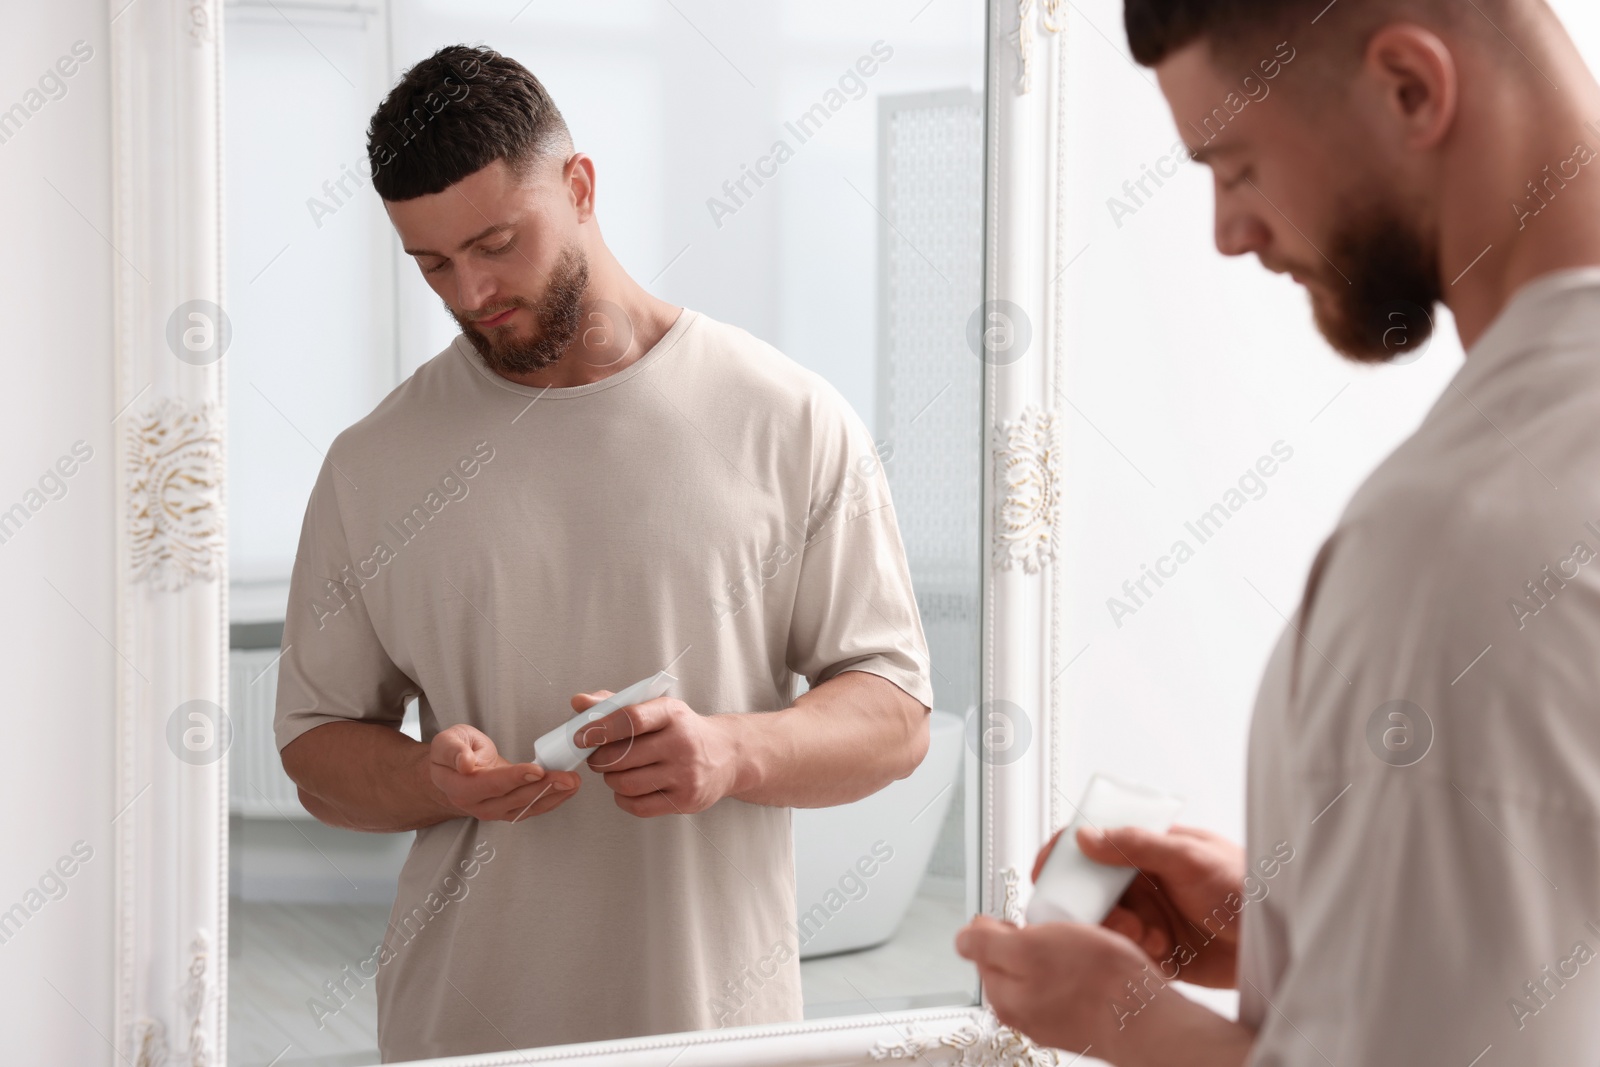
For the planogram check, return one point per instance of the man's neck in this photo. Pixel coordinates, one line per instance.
(621, 322)
(1534, 210)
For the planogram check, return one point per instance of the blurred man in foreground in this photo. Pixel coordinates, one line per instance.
(1426, 741)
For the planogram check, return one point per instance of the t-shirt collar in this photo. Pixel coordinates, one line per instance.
(1528, 316)
(668, 340)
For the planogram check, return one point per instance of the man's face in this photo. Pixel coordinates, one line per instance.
(1302, 193)
(505, 258)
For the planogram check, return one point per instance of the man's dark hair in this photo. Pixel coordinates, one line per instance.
(1158, 28)
(453, 114)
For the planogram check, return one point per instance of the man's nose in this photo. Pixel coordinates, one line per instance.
(1239, 233)
(473, 288)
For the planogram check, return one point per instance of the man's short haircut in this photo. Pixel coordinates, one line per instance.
(1236, 29)
(453, 114)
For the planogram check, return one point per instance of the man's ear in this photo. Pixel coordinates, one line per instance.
(1417, 77)
(578, 174)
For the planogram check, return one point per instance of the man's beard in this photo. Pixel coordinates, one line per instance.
(1381, 309)
(556, 321)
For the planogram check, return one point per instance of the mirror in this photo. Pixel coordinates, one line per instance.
(810, 173)
(181, 973)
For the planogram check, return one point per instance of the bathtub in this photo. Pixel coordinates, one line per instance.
(857, 866)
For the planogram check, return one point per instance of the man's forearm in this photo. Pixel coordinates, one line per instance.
(1182, 1034)
(1173, 1031)
(844, 740)
(365, 776)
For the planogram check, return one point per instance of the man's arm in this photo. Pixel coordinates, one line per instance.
(847, 738)
(844, 740)
(371, 777)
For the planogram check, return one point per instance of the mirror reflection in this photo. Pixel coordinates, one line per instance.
(579, 349)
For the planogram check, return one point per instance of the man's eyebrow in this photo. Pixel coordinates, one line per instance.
(468, 243)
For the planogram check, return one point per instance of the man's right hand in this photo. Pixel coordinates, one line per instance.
(1186, 877)
(477, 781)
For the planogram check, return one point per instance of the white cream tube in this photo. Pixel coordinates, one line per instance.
(1074, 888)
(558, 751)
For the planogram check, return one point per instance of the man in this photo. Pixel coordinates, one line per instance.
(589, 485)
(1424, 777)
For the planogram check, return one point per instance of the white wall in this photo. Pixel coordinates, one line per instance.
(56, 573)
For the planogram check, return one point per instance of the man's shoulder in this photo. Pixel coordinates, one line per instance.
(1426, 517)
(1457, 545)
(418, 400)
(743, 368)
(748, 361)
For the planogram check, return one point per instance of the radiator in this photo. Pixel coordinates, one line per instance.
(257, 786)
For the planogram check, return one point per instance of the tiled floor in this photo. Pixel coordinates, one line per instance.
(917, 968)
(280, 955)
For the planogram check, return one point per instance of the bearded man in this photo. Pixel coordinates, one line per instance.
(587, 486)
(1425, 748)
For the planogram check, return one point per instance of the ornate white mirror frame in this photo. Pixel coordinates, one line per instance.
(171, 844)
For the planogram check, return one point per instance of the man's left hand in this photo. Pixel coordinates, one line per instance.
(1086, 989)
(1062, 984)
(659, 757)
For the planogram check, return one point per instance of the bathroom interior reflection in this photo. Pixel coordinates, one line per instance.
(857, 250)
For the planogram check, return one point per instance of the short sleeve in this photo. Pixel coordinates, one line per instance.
(854, 608)
(333, 667)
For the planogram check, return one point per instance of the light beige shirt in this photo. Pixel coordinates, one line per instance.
(1430, 747)
(714, 508)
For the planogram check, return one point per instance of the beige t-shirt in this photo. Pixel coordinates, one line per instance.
(1430, 750)
(714, 508)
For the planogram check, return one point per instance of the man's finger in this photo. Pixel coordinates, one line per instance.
(535, 798)
(1197, 834)
(1130, 846)
(499, 781)
(463, 749)
(1128, 923)
(447, 747)
(630, 720)
(638, 781)
(973, 941)
(1155, 942)
(649, 806)
(990, 943)
(617, 756)
(585, 701)
(627, 753)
